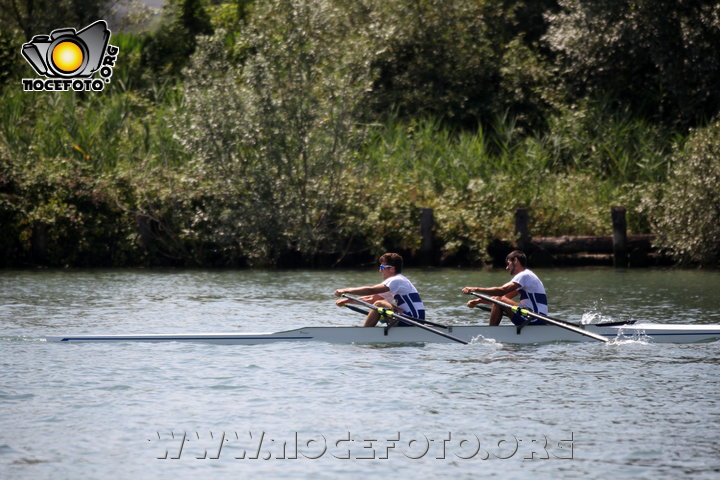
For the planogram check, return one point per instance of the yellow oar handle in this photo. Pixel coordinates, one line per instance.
(521, 311)
(385, 312)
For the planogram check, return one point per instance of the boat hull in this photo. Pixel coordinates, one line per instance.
(655, 333)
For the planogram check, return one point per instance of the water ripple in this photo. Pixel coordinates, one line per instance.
(630, 409)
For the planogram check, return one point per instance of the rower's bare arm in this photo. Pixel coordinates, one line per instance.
(511, 294)
(509, 288)
(374, 290)
(372, 298)
(508, 291)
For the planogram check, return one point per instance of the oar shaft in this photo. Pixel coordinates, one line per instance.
(405, 318)
(529, 313)
(356, 309)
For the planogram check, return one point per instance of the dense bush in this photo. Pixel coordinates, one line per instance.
(61, 214)
(313, 132)
(688, 214)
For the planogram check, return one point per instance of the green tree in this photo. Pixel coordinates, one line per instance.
(659, 57)
(273, 137)
(466, 62)
(168, 49)
(435, 59)
(687, 217)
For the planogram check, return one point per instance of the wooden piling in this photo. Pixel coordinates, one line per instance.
(619, 225)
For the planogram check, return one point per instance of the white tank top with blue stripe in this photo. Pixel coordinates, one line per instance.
(403, 294)
(532, 292)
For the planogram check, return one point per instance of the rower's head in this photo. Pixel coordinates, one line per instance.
(390, 264)
(515, 262)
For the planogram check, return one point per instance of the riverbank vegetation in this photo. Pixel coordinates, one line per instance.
(312, 132)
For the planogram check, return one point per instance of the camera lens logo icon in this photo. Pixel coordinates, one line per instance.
(68, 57)
(67, 53)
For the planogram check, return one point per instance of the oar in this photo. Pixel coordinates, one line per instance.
(386, 312)
(356, 309)
(528, 313)
(365, 312)
(423, 321)
(601, 324)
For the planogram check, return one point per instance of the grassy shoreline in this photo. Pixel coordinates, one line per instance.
(313, 133)
(88, 183)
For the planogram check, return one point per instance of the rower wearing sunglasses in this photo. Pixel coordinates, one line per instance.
(395, 292)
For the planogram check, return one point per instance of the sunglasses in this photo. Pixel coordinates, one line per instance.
(383, 267)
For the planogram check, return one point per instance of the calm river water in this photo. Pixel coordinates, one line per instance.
(301, 410)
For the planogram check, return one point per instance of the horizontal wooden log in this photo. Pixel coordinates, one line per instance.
(568, 244)
(640, 242)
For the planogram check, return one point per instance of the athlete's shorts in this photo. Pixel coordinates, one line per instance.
(519, 319)
(399, 322)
